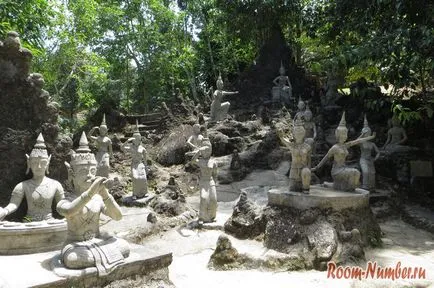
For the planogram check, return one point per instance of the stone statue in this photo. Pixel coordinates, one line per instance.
(309, 124)
(220, 110)
(282, 92)
(195, 140)
(301, 108)
(40, 191)
(299, 175)
(105, 150)
(366, 160)
(396, 136)
(208, 172)
(138, 167)
(85, 246)
(344, 178)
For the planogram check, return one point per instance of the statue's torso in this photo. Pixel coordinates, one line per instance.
(308, 126)
(397, 134)
(103, 143)
(300, 155)
(366, 150)
(137, 154)
(340, 153)
(40, 198)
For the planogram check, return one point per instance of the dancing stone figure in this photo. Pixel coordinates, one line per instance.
(299, 175)
(219, 110)
(105, 150)
(344, 177)
(208, 174)
(138, 168)
(282, 92)
(86, 246)
(40, 191)
(366, 160)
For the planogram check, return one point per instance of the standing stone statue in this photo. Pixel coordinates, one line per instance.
(138, 167)
(105, 150)
(219, 110)
(85, 245)
(344, 178)
(396, 136)
(309, 124)
(208, 172)
(282, 92)
(366, 160)
(299, 175)
(40, 191)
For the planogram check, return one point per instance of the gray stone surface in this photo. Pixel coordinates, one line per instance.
(421, 168)
(318, 197)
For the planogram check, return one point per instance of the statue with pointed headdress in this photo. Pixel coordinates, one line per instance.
(104, 146)
(344, 177)
(299, 175)
(85, 245)
(138, 165)
(40, 191)
(219, 110)
(366, 160)
(282, 92)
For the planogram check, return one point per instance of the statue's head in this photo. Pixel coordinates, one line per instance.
(13, 40)
(38, 160)
(196, 129)
(301, 105)
(298, 131)
(366, 131)
(220, 82)
(282, 69)
(395, 121)
(341, 132)
(82, 169)
(103, 127)
(308, 114)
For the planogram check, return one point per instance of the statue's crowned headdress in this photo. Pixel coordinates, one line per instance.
(365, 122)
(343, 122)
(103, 123)
(83, 155)
(40, 149)
(282, 68)
(220, 80)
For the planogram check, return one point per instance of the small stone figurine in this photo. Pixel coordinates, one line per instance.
(85, 246)
(366, 160)
(344, 178)
(40, 191)
(301, 109)
(299, 175)
(396, 136)
(282, 92)
(219, 110)
(105, 150)
(138, 167)
(208, 174)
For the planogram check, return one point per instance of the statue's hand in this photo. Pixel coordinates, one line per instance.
(108, 183)
(96, 186)
(3, 213)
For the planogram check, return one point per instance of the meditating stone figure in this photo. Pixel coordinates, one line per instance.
(366, 160)
(40, 191)
(85, 245)
(208, 172)
(396, 136)
(344, 178)
(138, 167)
(219, 110)
(282, 92)
(299, 175)
(301, 106)
(105, 151)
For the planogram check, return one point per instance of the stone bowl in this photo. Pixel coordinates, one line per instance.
(32, 237)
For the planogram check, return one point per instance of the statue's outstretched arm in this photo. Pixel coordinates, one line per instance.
(323, 160)
(90, 134)
(111, 208)
(359, 140)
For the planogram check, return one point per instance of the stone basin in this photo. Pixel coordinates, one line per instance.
(319, 197)
(31, 237)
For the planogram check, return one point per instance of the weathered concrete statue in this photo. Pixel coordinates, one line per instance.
(301, 109)
(366, 160)
(344, 178)
(105, 150)
(40, 191)
(309, 124)
(195, 140)
(85, 245)
(396, 136)
(299, 175)
(219, 110)
(282, 92)
(208, 174)
(138, 163)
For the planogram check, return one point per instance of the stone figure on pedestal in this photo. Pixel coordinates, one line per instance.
(344, 177)
(138, 164)
(219, 110)
(366, 160)
(40, 191)
(282, 92)
(299, 175)
(207, 185)
(86, 246)
(105, 150)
